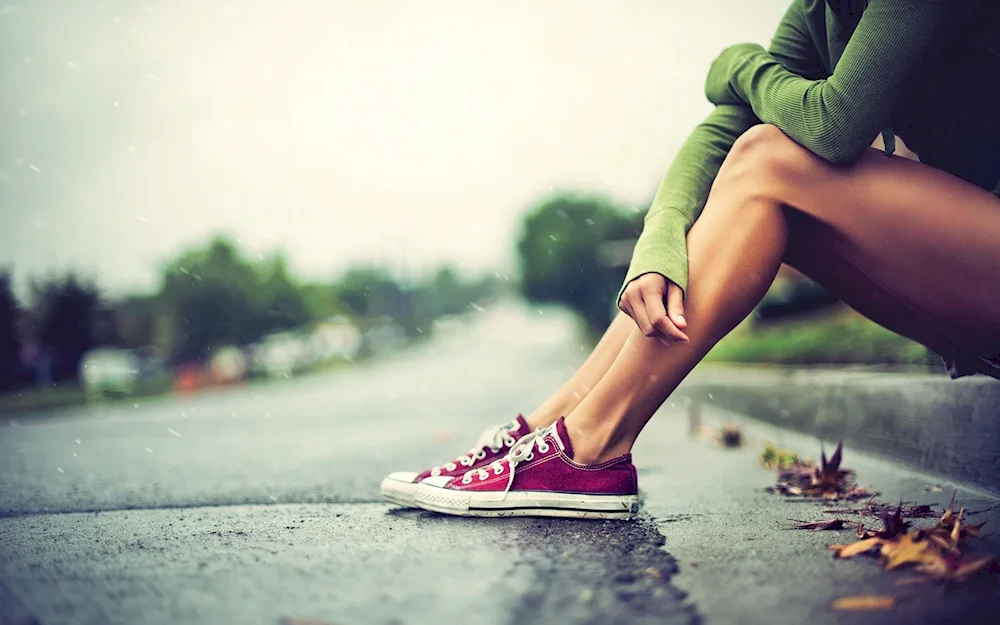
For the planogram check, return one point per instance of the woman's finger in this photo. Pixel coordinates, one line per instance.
(657, 315)
(640, 316)
(624, 306)
(675, 305)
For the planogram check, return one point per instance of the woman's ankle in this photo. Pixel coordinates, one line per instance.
(547, 414)
(598, 445)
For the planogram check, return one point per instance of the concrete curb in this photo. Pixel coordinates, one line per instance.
(930, 422)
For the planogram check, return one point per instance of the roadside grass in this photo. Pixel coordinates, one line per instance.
(837, 337)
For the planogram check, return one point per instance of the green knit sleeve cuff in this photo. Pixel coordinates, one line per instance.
(661, 248)
(724, 84)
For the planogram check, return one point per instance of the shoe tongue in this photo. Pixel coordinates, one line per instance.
(519, 427)
(562, 437)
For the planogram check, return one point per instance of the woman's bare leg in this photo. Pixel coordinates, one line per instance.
(569, 396)
(807, 251)
(927, 238)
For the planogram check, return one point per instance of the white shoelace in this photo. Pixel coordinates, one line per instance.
(494, 438)
(523, 451)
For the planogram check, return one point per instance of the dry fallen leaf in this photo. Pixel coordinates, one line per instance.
(826, 481)
(956, 569)
(731, 435)
(906, 550)
(854, 549)
(908, 511)
(864, 603)
(817, 526)
(935, 553)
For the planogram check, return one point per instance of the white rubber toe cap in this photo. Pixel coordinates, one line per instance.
(406, 477)
(437, 481)
(399, 488)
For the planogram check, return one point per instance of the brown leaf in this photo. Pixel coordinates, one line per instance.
(969, 532)
(816, 526)
(864, 603)
(948, 517)
(909, 512)
(861, 517)
(954, 568)
(967, 569)
(906, 550)
(893, 525)
(942, 543)
(862, 546)
(827, 481)
(730, 435)
(834, 463)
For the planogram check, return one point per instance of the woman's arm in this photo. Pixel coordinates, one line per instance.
(836, 117)
(682, 194)
(661, 248)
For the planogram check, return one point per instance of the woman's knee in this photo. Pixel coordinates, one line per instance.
(762, 159)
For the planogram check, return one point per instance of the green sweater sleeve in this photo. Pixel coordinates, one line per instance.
(662, 246)
(837, 117)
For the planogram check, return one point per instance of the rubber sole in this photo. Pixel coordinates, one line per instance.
(399, 493)
(528, 503)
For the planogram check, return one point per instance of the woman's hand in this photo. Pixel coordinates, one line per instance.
(657, 307)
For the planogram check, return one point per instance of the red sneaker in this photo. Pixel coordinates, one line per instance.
(537, 478)
(493, 444)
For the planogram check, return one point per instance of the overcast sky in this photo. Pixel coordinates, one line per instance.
(404, 132)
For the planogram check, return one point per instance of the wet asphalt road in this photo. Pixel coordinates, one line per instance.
(250, 505)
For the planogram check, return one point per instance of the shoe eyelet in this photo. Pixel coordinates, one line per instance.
(436, 472)
(498, 470)
(543, 448)
(529, 457)
(480, 454)
(466, 480)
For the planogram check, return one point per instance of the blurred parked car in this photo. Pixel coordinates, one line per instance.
(333, 339)
(383, 337)
(281, 354)
(109, 372)
(228, 365)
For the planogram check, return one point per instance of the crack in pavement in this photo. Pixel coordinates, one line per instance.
(600, 573)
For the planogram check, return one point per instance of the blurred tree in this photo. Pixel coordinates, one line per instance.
(559, 254)
(10, 346)
(284, 300)
(214, 298)
(321, 300)
(445, 292)
(135, 320)
(370, 292)
(61, 320)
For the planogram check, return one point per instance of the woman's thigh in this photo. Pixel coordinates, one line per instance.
(930, 239)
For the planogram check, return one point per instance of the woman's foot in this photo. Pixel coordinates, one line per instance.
(537, 478)
(400, 487)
